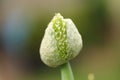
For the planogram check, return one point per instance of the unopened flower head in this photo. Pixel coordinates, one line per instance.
(61, 42)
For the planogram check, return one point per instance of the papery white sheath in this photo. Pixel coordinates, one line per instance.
(61, 42)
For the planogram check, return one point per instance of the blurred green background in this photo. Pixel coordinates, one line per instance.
(22, 25)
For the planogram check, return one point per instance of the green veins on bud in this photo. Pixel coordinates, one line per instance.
(61, 42)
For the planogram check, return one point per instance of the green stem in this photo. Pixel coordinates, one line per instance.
(66, 72)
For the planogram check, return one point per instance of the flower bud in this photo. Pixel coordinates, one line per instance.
(61, 42)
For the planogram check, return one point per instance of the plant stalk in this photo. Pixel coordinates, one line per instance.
(66, 72)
